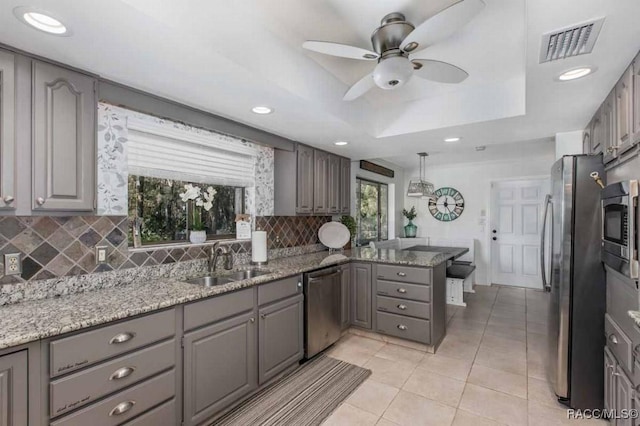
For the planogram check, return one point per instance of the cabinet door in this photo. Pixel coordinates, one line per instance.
(220, 366)
(13, 389)
(305, 176)
(345, 286)
(64, 138)
(609, 380)
(8, 191)
(609, 128)
(320, 182)
(597, 135)
(586, 140)
(345, 185)
(636, 99)
(623, 398)
(361, 295)
(333, 184)
(624, 111)
(280, 337)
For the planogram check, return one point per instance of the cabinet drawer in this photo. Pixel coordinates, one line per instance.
(211, 310)
(404, 327)
(278, 290)
(404, 307)
(622, 296)
(78, 351)
(125, 405)
(404, 274)
(86, 386)
(619, 343)
(404, 291)
(163, 415)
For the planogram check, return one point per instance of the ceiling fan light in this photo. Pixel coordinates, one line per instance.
(410, 47)
(392, 72)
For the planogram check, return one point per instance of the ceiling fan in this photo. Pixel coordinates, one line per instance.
(395, 43)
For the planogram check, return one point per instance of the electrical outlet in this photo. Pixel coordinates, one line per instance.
(101, 255)
(12, 264)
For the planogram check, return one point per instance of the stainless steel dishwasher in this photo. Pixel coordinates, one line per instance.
(322, 306)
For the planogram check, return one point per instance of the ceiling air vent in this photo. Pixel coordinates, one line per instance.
(572, 41)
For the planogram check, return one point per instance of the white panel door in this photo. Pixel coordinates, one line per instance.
(515, 233)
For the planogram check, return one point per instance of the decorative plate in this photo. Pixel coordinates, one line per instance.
(334, 235)
(448, 204)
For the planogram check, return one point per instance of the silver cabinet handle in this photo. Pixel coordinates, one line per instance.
(402, 290)
(613, 339)
(402, 307)
(402, 274)
(121, 373)
(121, 338)
(40, 201)
(612, 149)
(8, 199)
(299, 284)
(402, 327)
(263, 316)
(252, 320)
(121, 408)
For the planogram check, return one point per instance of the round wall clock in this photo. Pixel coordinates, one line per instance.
(447, 205)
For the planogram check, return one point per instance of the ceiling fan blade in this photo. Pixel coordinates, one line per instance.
(442, 72)
(361, 87)
(341, 50)
(442, 25)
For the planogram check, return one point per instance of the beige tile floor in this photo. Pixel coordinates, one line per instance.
(489, 370)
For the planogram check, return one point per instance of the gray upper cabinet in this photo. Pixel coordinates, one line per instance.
(220, 366)
(345, 286)
(13, 389)
(63, 138)
(305, 174)
(609, 128)
(586, 140)
(361, 295)
(320, 182)
(281, 338)
(624, 111)
(8, 191)
(345, 186)
(596, 134)
(333, 185)
(636, 99)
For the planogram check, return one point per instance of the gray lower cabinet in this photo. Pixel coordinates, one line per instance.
(64, 139)
(345, 293)
(280, 337)
(220, 366)
(8, 192)
(624, 395)
(635, 125)
(609, 380)
(361, 295)
(13, 389)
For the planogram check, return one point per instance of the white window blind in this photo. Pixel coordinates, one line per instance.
(164, 152)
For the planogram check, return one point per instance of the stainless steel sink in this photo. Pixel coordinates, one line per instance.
(210, 281)
(248, 274)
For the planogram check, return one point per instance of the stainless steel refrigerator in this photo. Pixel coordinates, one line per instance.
(571, 240)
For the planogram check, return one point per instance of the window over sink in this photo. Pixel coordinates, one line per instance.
(372, 211)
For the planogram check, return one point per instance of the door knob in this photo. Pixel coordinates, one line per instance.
(8, 199)
(494, 231)
(494, 238)
(40, 201)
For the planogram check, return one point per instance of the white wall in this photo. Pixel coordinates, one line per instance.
(473, 180)
(396, 192)
(568, 143)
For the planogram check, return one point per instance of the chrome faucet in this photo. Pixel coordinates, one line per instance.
(216, 251)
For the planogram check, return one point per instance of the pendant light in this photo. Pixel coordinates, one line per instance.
(421, 188)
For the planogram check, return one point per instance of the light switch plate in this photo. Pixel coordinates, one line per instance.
(101, 255)
(12, 264)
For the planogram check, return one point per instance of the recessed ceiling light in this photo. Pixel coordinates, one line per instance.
(341, 143)
(41, 20)
(262, 110)
(575, 73)
(453, 139)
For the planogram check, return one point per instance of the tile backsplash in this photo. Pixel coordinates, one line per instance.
(53, 247)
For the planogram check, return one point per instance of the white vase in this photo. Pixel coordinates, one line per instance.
(198, 237)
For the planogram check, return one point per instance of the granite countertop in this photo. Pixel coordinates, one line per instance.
(25, 322)
(635, 316)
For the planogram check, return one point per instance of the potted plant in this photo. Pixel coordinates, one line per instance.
(197, 200)
(410, 230)
(350, 223)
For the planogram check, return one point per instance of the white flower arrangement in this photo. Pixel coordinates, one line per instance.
(199, 198)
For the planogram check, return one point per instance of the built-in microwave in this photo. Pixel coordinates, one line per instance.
(619, 227)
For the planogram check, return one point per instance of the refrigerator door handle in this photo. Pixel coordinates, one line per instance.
(543, 236)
